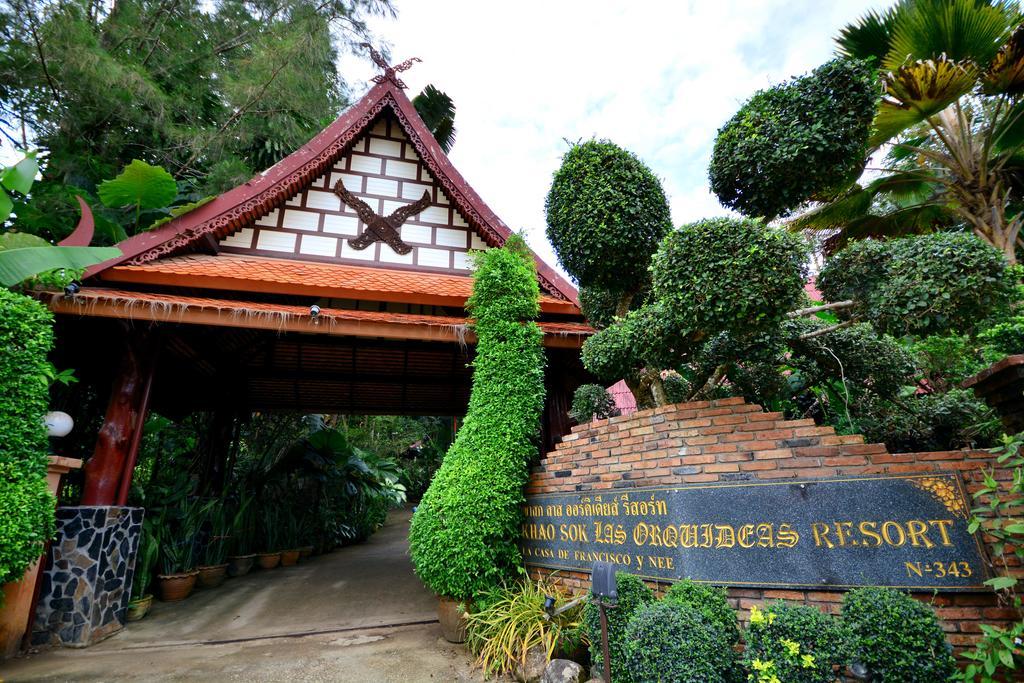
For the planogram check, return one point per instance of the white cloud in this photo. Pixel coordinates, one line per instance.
(657, 78)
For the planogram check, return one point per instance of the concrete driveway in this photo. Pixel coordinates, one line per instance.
(357, 614)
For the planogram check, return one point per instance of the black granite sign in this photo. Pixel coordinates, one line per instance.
(897, 531)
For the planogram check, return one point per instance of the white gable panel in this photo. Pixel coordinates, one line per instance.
(384, 171)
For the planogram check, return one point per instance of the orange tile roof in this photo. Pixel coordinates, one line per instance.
(103, 302)
(284, 276)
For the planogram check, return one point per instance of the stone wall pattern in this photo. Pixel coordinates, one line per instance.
(731, 440)
(87, 585)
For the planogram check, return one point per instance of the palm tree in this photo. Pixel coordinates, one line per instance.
(952, 73)
(437, 111)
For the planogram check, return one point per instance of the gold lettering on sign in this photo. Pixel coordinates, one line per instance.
(917, 533)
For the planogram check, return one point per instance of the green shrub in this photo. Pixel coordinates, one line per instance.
(633, 595)
(711, 602)
(797, 141)
(671, 642)
(925, 284)
(1006, 337)
(793, 643)
(507, 622)
(898, 638)
(26, 506)
(606, 214)
(590, 402)
(464, 535)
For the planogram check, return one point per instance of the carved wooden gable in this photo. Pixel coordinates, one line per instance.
(383, 170)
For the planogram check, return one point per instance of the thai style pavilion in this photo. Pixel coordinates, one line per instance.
(333, 282)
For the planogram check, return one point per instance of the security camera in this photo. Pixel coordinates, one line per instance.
(314, 311)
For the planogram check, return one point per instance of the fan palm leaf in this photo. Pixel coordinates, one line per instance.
(870, 37)
(960, 30)
(437, 110)
(1005, 74)
(916, 91)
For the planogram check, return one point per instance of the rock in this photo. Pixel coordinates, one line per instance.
(534, 666)
(562, 671)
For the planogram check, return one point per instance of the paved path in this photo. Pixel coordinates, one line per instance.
(357, 614)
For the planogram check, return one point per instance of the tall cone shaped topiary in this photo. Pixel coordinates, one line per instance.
(464, 534)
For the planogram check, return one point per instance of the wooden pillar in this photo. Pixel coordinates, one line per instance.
(114, 442)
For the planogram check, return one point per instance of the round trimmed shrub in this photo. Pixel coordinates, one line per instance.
(897, 637)
(711, 602)
(728, 275)
(606, 213)
(463, 537)
(798, 141)
(633, 595)
(591, 402)
(671, 642)
(924, 284)
(795, 643)
(26, 505)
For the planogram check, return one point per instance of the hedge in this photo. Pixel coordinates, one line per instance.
(26, 506)
(633, 596)
(671, 642)
(464, 534)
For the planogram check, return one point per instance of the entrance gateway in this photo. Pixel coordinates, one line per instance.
(334, 282)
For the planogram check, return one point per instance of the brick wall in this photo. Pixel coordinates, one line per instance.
(730, 440)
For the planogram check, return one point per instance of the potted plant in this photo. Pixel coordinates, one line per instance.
(178, 554)
(270, 533)
(242, 530)
(291, 528)
(214, 569)
(149, 553)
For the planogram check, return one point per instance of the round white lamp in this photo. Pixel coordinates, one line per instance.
(58, 423)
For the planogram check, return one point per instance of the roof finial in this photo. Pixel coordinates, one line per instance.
(390, 72)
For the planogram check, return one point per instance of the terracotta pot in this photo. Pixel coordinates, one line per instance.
(289, 557)
(212, 576)
(174, 587)
(139, 608)
(452, 618)
(239, 565)
(268, 560)
(305, 552)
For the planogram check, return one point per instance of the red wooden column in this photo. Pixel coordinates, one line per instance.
(114, 442)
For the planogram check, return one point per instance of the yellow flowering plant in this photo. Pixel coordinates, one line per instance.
(792, 643)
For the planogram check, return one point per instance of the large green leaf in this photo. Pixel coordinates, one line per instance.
(6, 205)
(870, 37)
(139, 185)
(19, 178)
(959, 30)
(20, 240)
(437, 110)
(916, 91)
(18, 265)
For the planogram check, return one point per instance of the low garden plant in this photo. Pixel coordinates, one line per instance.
(591, 402)
(673, 642)
(793, 643)
(633, 596)
(896, 637)
(507, 622)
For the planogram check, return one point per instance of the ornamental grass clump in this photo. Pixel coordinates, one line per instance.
(464, 535)
(633, 595)
(507, 622)
(26, 505)
(794, 644)
(896, 637)
(671, 642)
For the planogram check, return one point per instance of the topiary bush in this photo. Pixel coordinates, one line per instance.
(727, 275)
(606, 213)
(925, 284)
(797, 141)
(1006, 337)
(711, 602)
(898, 638)
(464, 535)
(793, 643)
(633, 596)
(592, 402)
(672, 642)
(26, 506)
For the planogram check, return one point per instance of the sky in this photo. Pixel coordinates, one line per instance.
(658, 78)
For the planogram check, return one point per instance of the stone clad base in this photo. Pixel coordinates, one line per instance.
(87, 586)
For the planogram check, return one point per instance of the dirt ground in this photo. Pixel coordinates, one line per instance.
(358, 614)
